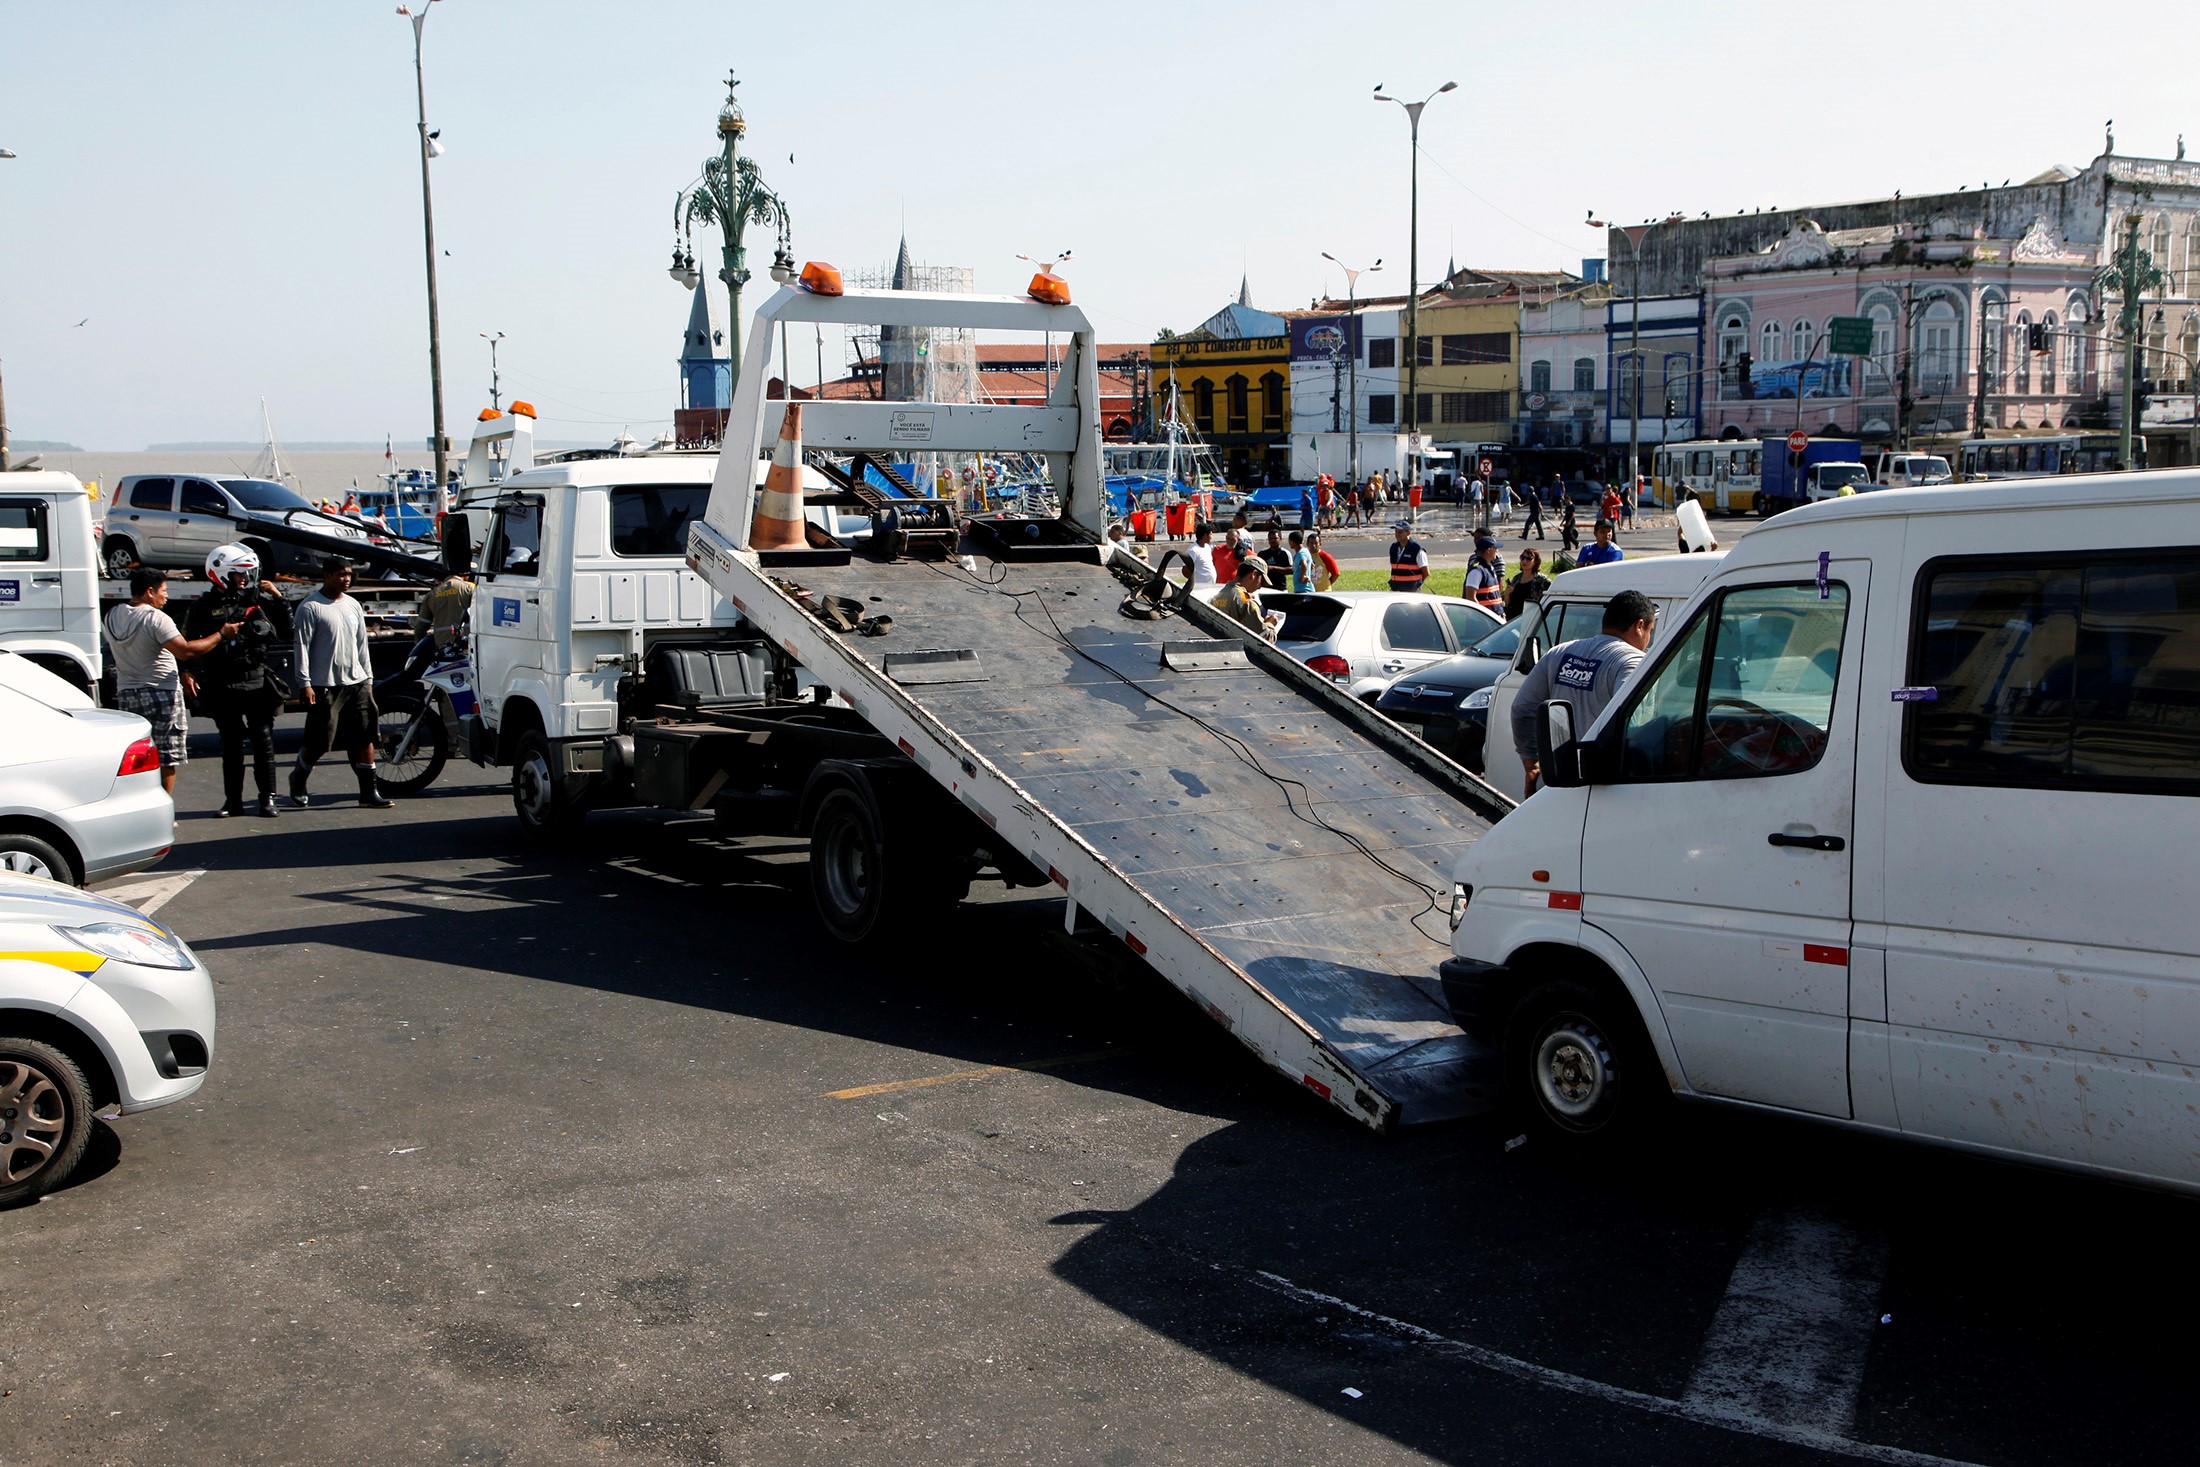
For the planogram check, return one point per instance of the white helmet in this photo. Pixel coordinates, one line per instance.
(230, 560)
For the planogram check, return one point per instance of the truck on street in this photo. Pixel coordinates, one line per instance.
(1828, 465)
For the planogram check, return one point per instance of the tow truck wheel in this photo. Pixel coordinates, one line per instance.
(1578, 1066)
(865, 885)
(546, 805)
(45, 1118)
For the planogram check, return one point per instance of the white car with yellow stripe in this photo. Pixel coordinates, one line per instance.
(99, 1007)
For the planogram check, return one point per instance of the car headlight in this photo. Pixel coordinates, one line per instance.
(1460, 895)
(1479, 699)
(127, 944)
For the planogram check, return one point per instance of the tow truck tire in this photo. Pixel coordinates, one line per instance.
(866, 883)
(45, 1118)
(431, 747)
(547, 806)
(1579, 1070)
(116, 557)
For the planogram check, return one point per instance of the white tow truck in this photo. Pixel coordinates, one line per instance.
(945, 700)
(49, 574)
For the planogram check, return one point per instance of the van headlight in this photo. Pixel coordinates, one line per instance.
(1477, 701)
(1461, 894)
(128, 944)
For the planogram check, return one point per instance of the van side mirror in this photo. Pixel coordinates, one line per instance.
(1555, 748)
(457, 544)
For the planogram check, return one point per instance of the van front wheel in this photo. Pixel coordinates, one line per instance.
(1578, 1066)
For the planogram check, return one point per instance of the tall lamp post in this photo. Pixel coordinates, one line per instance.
(1413, 269)
(4, 154)
(1635, 234)
(1352, 343)
(493, 337)
(731, 195)
(429, 148)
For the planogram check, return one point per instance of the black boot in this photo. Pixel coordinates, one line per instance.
(267, 807)
(370, 793)
(232, 780)
(298, 773)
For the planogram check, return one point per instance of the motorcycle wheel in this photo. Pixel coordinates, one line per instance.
(429, 752)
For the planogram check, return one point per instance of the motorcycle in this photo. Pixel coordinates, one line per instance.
(419, 706)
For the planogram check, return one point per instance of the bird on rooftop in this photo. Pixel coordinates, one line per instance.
(1898, 195)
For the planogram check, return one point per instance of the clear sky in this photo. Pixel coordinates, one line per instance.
(227, 193)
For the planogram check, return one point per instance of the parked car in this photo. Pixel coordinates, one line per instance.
(80, 795)
(175, 521)
(1429, 701)
(99, 1006)
(49, 577)
(1363, 640)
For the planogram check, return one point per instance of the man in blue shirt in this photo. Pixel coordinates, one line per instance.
(1602, 551)
(1306, 507)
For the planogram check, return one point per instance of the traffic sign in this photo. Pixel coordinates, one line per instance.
(1798, 441)
(1486, 467)
(1849, 336)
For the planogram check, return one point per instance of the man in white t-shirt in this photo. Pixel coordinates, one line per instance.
(1201, 553)
(147, 648)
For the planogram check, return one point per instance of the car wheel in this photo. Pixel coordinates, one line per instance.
(412, 745)
(1578, 1067)
(546, 805)
(117, 558)
(27, 855)
(45, 1118)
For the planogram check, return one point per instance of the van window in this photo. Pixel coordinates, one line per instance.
(653, 519)
(200, 497)
(153, 494)
(1563, 621)
(1410, 626)
(23, 529)
(1746, 691)
(2073, 673)
(517, 550)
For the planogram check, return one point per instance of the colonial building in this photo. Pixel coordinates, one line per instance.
(1656, 383)
(1563, 368)
(1469, 370)
(1232, 377)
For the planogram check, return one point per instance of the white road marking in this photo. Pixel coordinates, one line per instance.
(149, 893)
(1788, 1343)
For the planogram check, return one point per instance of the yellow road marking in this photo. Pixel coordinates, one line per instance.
(859, 1091)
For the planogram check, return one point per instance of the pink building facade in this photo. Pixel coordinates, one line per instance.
(1953, 314)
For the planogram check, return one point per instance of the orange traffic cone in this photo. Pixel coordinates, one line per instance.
(778, 524)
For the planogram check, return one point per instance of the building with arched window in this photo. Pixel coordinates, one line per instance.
(1233, 373)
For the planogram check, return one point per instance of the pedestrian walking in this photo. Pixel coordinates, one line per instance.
(1302, 561)
(333, 664)
(1531, 504)
(1484, 583)
(1408, 561)
(1585, 674)
(1201, 553)
(1326, 570)
(1603, 552)
(1569, 528)
(1306, 508)
(1608, 507)
(148, 652)
(235, 689)
(1475, 493)
(1527, 588)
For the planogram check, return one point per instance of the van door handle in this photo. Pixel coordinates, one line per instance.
(1807, 842)
(53, 580)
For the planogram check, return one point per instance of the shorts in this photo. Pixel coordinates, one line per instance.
(163, 709)
(342, 717)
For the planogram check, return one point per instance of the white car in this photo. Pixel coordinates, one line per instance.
(99, 1007)
(1365, 640)
(80, 795)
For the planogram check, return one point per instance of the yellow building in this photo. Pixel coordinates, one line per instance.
(1233, 377)
(1470, 353)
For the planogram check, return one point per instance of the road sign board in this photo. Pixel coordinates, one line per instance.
(1849, 336)
(1486, 467)
(1798, 441)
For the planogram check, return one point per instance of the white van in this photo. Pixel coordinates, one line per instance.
(1574, 608)
(1899, 470)
(1893, 830)
(49, 577)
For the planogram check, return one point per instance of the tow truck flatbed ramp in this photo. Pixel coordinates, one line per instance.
(1235, 811)
(1275, 850)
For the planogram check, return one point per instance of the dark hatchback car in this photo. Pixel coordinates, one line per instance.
(1428, 701)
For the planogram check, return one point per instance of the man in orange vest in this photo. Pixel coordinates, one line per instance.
(1485, 579)
(1408, 561)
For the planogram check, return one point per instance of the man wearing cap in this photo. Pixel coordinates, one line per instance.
(1586, 674)
(331, 646)
(1485, 580)
(1408, 561)
(1603, 552)
(1239, 602)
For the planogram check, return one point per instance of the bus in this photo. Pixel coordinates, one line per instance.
(2042, 456)
(1718, 473)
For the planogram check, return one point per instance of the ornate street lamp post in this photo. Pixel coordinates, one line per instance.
(731, 195)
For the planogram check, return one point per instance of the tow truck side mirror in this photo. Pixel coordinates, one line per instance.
(1556, 750)
(457, 544)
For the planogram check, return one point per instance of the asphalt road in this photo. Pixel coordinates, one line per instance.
(512, 1156)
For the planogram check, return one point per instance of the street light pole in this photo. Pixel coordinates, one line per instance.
(731, 194)
(493, 337)
(4, 154)
(1634, 235)
(1413, 272)
(1352, 342)
(428, 149)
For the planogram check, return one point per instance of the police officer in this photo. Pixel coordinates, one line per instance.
(1408, 561)
(1485, 577)
(234, 688)
(1586, 674)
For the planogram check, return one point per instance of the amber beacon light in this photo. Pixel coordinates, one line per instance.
(819, 278)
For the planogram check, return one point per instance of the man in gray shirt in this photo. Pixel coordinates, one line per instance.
(331, 644)
(147, 648)
(1586, 674)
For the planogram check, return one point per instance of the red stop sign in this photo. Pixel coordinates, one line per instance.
(1798, 441)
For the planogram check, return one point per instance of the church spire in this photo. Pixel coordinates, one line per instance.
(1245, 291)
(903, 271)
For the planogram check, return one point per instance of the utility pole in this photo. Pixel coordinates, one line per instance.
(1635, 234)
(1352, 344)
(1413, 275)
(496, 399)
(1979, 408)
(4, 153)
(428, 149)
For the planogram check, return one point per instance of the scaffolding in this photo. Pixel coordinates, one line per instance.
(926, 364)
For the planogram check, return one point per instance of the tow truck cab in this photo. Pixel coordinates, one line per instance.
(49, 575)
